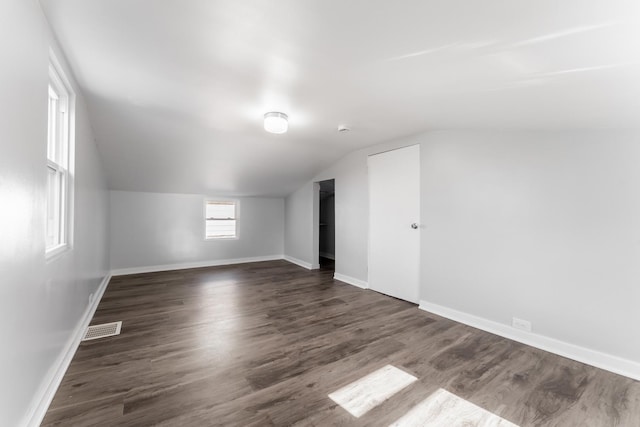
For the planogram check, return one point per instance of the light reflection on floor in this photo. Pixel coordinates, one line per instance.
(220, 322)
(368, 392)
(443, 408)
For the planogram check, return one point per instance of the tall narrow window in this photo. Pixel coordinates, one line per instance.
(58, 148)
(220, 220)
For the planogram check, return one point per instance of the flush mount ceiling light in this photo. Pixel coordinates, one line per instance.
(276, 122)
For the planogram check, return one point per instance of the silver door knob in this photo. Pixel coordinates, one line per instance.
(414, 226)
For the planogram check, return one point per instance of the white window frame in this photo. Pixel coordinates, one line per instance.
(60, 159)
(236, 203)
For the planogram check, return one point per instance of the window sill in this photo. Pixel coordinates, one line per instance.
(209, 239)
(56, 251)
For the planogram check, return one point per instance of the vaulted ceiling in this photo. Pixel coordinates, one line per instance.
(176, 89)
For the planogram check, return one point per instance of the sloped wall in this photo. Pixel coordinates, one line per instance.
(42, 302)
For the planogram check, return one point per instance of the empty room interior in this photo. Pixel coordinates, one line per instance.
(319, 213)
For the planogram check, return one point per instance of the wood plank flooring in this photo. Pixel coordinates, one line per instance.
(264, 344)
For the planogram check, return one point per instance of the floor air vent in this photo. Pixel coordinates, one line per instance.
(101, 331)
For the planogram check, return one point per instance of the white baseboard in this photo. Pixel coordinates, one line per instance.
(199, 264)
(299, 262)
(50, 385)
(328, 255)
(595, 358)
(351, 280)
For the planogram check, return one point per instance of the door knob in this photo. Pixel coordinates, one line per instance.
(414, 226)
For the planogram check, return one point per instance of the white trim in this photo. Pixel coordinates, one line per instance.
(186, 265)
(49, 386)
(351, 280)
(591, 357)
(328, 255)
(299, 262)
(54, 251)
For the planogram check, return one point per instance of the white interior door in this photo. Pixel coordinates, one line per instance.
(394, 216)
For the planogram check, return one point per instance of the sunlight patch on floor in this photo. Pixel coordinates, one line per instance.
(443, 408)
(369, 391)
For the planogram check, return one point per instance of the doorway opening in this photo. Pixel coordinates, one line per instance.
(327, 225)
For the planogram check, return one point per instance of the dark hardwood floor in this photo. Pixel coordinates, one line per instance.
(265, 344)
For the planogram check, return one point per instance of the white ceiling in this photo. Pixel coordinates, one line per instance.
(177, 88)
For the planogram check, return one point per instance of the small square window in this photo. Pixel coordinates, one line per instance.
(220, 220)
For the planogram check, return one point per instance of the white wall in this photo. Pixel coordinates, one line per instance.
(159, 229)
(298, 214)
(41, 303)
(544, 226)
(351, 215)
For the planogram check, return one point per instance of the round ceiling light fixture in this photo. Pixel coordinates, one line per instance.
(276, 122)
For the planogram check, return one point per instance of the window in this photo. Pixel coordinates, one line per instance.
(58, 153)
(220, 220)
